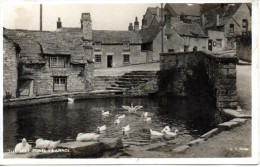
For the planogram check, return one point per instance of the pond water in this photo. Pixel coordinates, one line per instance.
(63, 121)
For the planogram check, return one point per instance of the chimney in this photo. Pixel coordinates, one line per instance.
(130, 27)
(202, 20)
(157, 11)
(136, 24)
(216, 20)
(86, 25)
(59, 25)
(144, 23)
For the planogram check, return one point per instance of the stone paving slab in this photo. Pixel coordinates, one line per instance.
(194, 142)
(227, 125)
(239, 120)
(235, 114)
(181, 148)
(210, 133)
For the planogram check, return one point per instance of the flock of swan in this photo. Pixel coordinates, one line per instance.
(24, 147)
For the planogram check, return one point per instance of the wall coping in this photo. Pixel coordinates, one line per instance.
(223, 58)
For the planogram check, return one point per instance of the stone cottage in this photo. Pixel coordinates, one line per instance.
(10, 64)
(53, 62)
(178, 36)
(228, 23)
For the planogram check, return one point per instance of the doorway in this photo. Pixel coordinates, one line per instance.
(210, 45)
(109, 61)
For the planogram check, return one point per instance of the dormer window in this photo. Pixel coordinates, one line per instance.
(97, 46)
(57, 61)
(126, 45)
(231, 29)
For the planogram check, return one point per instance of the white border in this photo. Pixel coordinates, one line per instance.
(154, 161)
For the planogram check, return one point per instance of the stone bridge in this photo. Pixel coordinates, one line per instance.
(198, 74)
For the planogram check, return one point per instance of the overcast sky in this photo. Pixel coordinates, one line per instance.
(104, 16)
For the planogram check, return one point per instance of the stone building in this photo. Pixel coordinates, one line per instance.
(234, 20)
(178, 36)
(10, 67)
(54, 62)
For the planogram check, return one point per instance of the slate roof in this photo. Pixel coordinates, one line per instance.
(183, 8)
(34, 44)
(116, 37)
(149, 34)
(188, 29)
(154, 12)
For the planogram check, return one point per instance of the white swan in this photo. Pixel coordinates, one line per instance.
(54, 144)
(121, 116)
(87, 136)
(49, 144)
(101, 128)
(172, 134)
(147, 119)
(105, 113)
(117, 121)
(70, 99)
(155, 133)
(166, 128)
(126, 128)
(132, 108)
(145, 114)
(23, 147)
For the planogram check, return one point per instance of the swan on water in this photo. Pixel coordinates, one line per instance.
(117, 121)
(125, 129)
(87, 136)
(145, 114)
(155, 133)
(105, 113)
(121, 116)
(132, 108)
(147, 119)
(23, 147)
(166, 128)
(70, 99)
(172, 134)
(49, 144)
(101, 128)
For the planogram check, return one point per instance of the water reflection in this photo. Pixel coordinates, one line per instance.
(63, 121)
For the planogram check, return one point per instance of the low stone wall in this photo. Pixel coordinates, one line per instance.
(199, 74)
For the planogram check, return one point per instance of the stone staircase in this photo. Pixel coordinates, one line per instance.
(132, 79)
(102, 82)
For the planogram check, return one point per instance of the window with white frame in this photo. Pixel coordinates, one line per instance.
(57, 61)
(59, 83)
(98, 58)
(218, 43)
(126, 58)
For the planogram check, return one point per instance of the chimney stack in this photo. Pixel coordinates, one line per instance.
(130, 27)
(59, 24)
(144, 23)
(86, 25)
(157, 11)
(136, 24)
(216, 20)
(202, 20)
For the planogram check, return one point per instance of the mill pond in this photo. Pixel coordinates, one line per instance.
(64, 121)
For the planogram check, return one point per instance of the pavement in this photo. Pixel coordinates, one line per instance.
(119, 71)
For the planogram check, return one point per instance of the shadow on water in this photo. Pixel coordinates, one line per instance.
(63, 121)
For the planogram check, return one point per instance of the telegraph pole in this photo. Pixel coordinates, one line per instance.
(162, 24)
(40, 17)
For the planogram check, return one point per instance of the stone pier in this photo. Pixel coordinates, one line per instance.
(199, 74)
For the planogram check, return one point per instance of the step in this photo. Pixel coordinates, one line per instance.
(142, 72)
(138, 76)
(116, 88)
(134, 79)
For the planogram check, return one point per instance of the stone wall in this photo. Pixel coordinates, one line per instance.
(199, 74)
(10, 75)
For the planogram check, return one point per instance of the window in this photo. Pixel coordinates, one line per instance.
(126, 59)
(186, 48)
(219, 43)
(59, 83)
(126, 45)
(98, 58)
(98, 46)
(244, 26)
(57, 61)
(231, 29)
(170, 50)
(195, 48)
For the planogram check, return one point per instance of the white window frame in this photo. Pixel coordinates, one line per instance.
(57, 61)
(124, 58)
(59, 83)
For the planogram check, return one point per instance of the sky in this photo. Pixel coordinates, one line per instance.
(104, 16)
